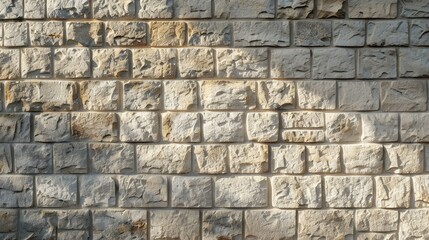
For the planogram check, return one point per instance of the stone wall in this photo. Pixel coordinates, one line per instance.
(214, 119)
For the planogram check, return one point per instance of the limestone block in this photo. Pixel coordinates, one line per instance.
(228, 95)
(387, 33)
(5, 158)
(142, 95)
(296, 191)
(174, 224)
(72, 62)
(111, 158)
(349, 192)
(244, 9)
(343, 127)
(302, 136)
(380, 127)
(33, 158)
(68, 8)
(120, 224)
(295, 9)
(414, 127)
(421, 188)
(155, 9)
(196, 63)
(262, 126)
(70, 158)
(411, 64)
(72, 234)
(126, 33)
(16, 191)
(142, 191)
(328, 224)
(376, 220)
(191, 192)
(46, 33)
(73, 219)
(11, 9)
(52, 127)
(154, 63)
(359, 96)
(100, 127)
(317, 95)
(99, 95)
(338, 63)
(270, 224)
(180, 95)
(404, 158)
(164, 158)
(419, 32)
(210, 159)
(114, 8)
(9, 63)
(139, 127)
(276, 94)
(10, 223)
(15, 34)
(56, 190)
(373, 9)
(287, 159)
(393, 191)
(242, 63)
(413, 224)
(348, 33)
(223, 126)
(36, 63)
(241, 191)
(261, 33)
(167, 34)
(85, 33)
(324, 159)
(248, 158)
(363, 158)
(414, 8)
(377, 63)
(290, 63)
(34, 9)
(1, 34)
(302, 120)
(110, 62)
(312, 33)
(181, 127)
(206, 33)
(15, 127)
(193, 9)
(330, 8)
(218, 224)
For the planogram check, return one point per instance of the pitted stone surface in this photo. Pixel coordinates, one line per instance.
(296, 191)
(241, 191)
(111, 158)
(294, 9)
(222, 95)
(165, 158)
(56, 191)
(16, 191)
(142, 191)
(123, 224)
(33, 158)
(242, 63)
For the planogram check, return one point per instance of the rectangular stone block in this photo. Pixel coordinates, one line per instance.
(6, 158)
(228, 95)
(181, 127)
(115, 224)
(10, 223)
(49, 33)
(404, 158)
(111, 158)
(70, 158)
(363, 158)
(154, 63)
(205, 33)
(296, 191)
(15, 34)
(167, 34)
(105, 9)
(174, 224)
(15, 127)
(317, 95)
(223, 126)
(331, 8)
(359, 96)
(210, 158)
(420, 189)
(193, 9)
(287, 159)
(99, 127)
(154, 9)
(377, 63)
(218, 224)
(343, 127)
(244, 9)
(241, 192)
(387, 33)
(56, 190)
(9, 69)
(16, 191)
(276, 94)
(419, 32)
(295, 9)
(338, 63)
(413, 224)
(248, 158)
(414, 8)
(380, 127)
(72, 63)
(262, 127)
(371, 9)
(393, 191)
(68, 8)
(312, 33)
(196, 63)
(411, 64)
(261, 33)
(86, 34)
(142, 191)
(11, 10)
(33, 158)
(290, 63)
(376, 220)
(139, 127)
(164, 158)
(324, 159)
(242, 63)
(110, 62)
(126, 33)
(142, 95)
(271, 224)
(348, 33)
(191, 192)
(180, 95)
(301, 136)
(302, 120)
(36, 63)
(52, 127)
(349, 192)
(99, 95)
(328, 224)
(414, 127)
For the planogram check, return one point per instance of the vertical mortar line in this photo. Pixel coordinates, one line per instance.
(243, 223)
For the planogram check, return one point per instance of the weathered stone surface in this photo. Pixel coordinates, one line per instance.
(139, 127)
(97, 191)
(262, 126)
(223, 126)
(222, 224)
(330, 8)
(414, 8)
(343, 127)
(34, 9)
(270, 224)
(174, 224)
(295, 9)
(72, 234)
(181, 127)
(287, 159)
(261, 33)
(241, 191)
(387, 33)
(296, 191)
(52, 127)
(15, 127)
(142, 95)
(242, 63)
(371, 9)
(85, 33)
(359, 96)
(404, 158)
(100, 127)
(155, 8)
(111, 157)
(110, 62)
(421, 188)
(126, 33)
(317, 95)
(196, 63)
(290, 63)
(164, 158)
(99, 95)
(276, 94)
(33, 158)
(413, 224)
(165, 34)
(36, 63)
(419, 32)
(244, 9)
(68, 8)
(9, 63)
(70, 158)
(248, 158)
(15, 34)
(10, 223)
(414, 127)
(380, 127)
(210, 159)
(411, 64)
(191, 192)
(114, 8)
(120, 224)
(56, 190)
(393, 191)
(328, 224)
(302, 120)
(377, 63)
(46, 33)
(15, 191)
(363, 158)
(224, 95)
(301, 136)
(5, 159)
(324, 159)
(180, 95)
(154, 63)
(376, 236)
(376, 220)
(205, 33)
(72, 62)
(142, 191)
(331, 63)
(312, 33)
(11, 9)
(348, 33)
(193, 9)
(349, 192)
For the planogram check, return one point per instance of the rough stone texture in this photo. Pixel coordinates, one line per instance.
(376, 220)
(155, 8)
(5, 158)
(196, 63)
(276, 94)
(393, 191)
(174, 224)
(120, 224)
(372, 9)
(52, 127)
(56, 191)
(420, 188)
(414, 127)
(302, 136)
(181, 127)
(36, 63)
(165, 34)
(343, 127)
(363, 158)
(324, 159)
(411, 64)
(312, 33)
(387, 33)
(154, 63)
(142, 191)
(33, 158)
(290, 63)
(328, 224)
(166, 158)
(241, 191)
(46, 33)
(380, 127)
(404, 158)
(359, 96)
(413, 224)
(242, 63)
(317, 95)
(180, 95)
(222, 224)
(191, 192)
(113, 63)
(349, 192)
(11, 9)
(270, 224)
(139, 127)
(15, 127)
(99, 95)
(85, 33)
(72, 63)
(377, 63)
(333, 63)
(210, 159)
(193, 9)
(207, 33)
(9, 60)
(296, 191)
(113, 8)
(244, 9)
(127, 33)
(330, 8)
(16, 191)
(248, 158)
(142, 95)
(414, 8)
(294, 9)
(15, 34)
(261, 33)
(223, 95)
(70, 158)
(99, 127)
(348, 33)
(97, 191)
(223, 127)
(263, 127)
(287, 159)
(68, 8)
(111, 158)
(419, 30)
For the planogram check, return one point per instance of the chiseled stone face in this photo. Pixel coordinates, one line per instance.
(290, 63)
(270, 224)
(9, 60)
(288, 159)
(139, 127)
(248, 158)
(197, 9)
(154, 63)
(241, 191)
(297, 191)
(262, 127)
(358, 96)
(295, 9)
(414, 8)
(343, 127)
(376, 63)
(387, 33)
(349, 192)
(363, 158)
(166, 34)
(36, 63)
(155, 8)
(330, 8)
(15, 127)
(414, 127)
(191, 192)
(5, 158)
(164, 158)
(33, 158)
(111, 158)
(112, 62)
(372, 9)
(410, 64)
(142, 191)
(126, 33)
(97, 191)
(420, 188)
(419, 32)
(104, 9)
(85, 33)
(261, 33)
(404, 158)
(15, 34)
(68, 8)
(312, 33)
(348, 33)
(180, 95)
(174, 224)
(376, 220)
(181, 127)
(56, 190)
(317, 95)
(205, 33)
(125, 224)
(16, 191)
(276, 94)
(324, 159)
(380, 127)
(72, 62)
(99, 95)
(99, 127)
(70, 158)
(223, 126)
(413, 224)
(196, 63)
(328, 224)
(244, 9)
(52, 127)
(46, 33)
(218, 224)
(142, 95)
(242, 63)
(393, 191)
(329, 63)
(11, 9)
(210, 158)
(224, 95)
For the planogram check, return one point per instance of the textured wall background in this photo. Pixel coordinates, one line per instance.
(223, 119)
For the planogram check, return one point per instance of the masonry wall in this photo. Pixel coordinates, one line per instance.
(223, 119)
